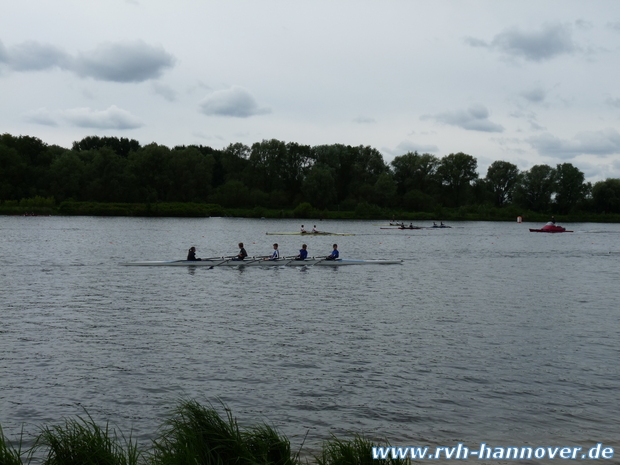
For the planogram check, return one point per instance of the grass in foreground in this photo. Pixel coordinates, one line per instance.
(83, 442)
(9, 454)
(194, 435)
(356, 451)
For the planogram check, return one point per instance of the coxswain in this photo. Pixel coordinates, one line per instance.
(334, 255)
(275, 255)
(242, 253)
(303, 253)
(191, 255)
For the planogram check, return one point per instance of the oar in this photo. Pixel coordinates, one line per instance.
(226, 259)
(255, 259)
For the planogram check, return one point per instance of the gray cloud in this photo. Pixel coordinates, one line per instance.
(236, 102)
(475, 118)
(41, 116)
(123, 62)
(534, 95)
(364, 120)
(614, 102)
(549, 42)
(112, 118)
(408, 146)
(601, 143)
(614, 26)
(165, 91)
(119, 62)
(33, 56)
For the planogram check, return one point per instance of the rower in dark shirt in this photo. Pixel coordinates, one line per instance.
(242, 253)
(334, 255)
(191, 255)
(303, 253)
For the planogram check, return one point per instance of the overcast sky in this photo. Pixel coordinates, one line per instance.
(528, 82)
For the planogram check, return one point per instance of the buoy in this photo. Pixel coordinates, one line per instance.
(519, 219)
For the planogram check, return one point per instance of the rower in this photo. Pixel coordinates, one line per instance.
(303, 253)
(242, 253)
(334, 255)
(275, 255)
(303, 230)
(191, 255)
(314, 230)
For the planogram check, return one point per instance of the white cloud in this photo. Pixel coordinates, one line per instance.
(111, 118)
(236, 102)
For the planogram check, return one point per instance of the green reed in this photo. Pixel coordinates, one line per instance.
(193, 435)
(81, 441)
(199, 435)
(355, 451)
(9, 454)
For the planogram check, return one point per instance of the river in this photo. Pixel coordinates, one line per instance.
(486, 332)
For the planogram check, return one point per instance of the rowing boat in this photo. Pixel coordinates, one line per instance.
(261, 262)
(309, 234)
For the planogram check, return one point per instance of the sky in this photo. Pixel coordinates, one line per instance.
(528, 82)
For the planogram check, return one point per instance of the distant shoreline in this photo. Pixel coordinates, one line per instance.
(304, 211)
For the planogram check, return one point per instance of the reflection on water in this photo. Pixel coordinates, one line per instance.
(486, 333)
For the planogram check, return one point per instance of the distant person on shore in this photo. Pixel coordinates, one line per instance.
(242, 253)
(275, 255)
(191, 255)
(303, 253)
(334, 255)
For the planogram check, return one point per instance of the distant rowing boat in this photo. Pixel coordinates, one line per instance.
(309, 234)
(261, 262)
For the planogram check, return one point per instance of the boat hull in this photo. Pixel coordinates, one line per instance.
(309, 234)
(261, 262)
(550, 228)
(549, 231)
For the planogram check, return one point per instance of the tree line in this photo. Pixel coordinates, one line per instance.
(275, 174)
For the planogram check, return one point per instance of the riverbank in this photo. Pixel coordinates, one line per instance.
(194, 434)
(47, 207)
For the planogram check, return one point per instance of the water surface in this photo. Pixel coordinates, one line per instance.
(486, 333)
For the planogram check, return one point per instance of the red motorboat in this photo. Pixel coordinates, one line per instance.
(550, 228)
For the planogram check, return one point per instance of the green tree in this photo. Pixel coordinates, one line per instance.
(570, 187)
(415, 171)
(190, 173)
(385, 190)
(122, 147)
(319, 187)
(535, 188)
(68, 177)
(13, 169)
(150, 167)
(457, 171)
(606, 196)
(105, 177)
(501, 179)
